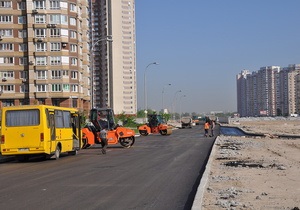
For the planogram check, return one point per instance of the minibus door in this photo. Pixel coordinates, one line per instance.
(52, 130)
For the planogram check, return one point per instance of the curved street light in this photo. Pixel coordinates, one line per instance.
(108, 39)
(145, 89)
(162, 93)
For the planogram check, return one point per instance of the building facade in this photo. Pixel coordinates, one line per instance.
(270, 91)
(114, 55)
(44, 53)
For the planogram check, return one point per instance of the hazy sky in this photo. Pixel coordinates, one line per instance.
(201, 45)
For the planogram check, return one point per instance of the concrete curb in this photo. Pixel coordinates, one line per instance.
(197, 204)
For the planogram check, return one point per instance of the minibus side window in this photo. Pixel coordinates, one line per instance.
(59, 121)
(22, 117)
(67, 119)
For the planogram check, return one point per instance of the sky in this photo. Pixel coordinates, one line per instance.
(201, 45)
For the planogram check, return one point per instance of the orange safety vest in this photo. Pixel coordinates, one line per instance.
(206, 125)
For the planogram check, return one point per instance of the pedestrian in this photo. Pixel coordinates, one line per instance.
(212, 127)
(206, 128)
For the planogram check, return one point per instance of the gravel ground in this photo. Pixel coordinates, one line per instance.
(257, 172)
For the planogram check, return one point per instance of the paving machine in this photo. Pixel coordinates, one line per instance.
(156, 124)
(103, 119)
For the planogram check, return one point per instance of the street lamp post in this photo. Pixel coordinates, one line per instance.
(162, 93)
(108, 39)
(145, 89)
(179, 91)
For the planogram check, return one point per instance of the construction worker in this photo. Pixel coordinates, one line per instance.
(104, 143)
(206, 128)
(103, 124)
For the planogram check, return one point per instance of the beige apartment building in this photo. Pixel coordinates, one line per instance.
(270, 91)
(114, 55)
(44, 53)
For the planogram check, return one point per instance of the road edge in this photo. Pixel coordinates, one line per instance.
(197, 204)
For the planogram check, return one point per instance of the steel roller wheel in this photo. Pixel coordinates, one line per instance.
(127, 142)
(163, 132)
(143, 133)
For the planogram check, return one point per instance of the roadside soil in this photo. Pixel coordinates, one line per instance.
(255, 172)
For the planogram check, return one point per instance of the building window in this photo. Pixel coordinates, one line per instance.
(24, 74)
(6, 18)
(56, 74)
(40, 32)
(21, 19)
(74, 74)
(72, 7)
(7, 74)
(7, 102)
(65, 73)
(74, 102)
(23, 61)
(73, 47)
(54, 4)
(6, 32)
(74, 61)
(40, 18)
(74, 88)
(41, 88)
(41, 61)
(5, 4)
(55, 46)
(23, 47)
(72, 21)
(22, 5)
(66, 88)
(41, 74)
(39, 4)
(7, 88)
(64, 19)
(6, 46)
(55, 60)
(73, 34)
(55, 19)
(40, 46)
(54, 32)
(24, 88)
(22, 33)
(56, 87)
(7, 60)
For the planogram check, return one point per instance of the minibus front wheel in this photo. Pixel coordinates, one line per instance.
(57, 152)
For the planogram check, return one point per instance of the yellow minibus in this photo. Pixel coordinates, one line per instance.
(32, 130)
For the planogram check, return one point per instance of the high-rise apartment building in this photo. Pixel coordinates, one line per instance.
(114, 55)
(44, 53)
(270, 91)
(242, 92)
(293, 88)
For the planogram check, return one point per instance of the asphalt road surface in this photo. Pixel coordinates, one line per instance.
(158, 172)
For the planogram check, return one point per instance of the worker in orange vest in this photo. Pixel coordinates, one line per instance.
(206, 128)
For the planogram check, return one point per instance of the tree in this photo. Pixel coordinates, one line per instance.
(127, 120)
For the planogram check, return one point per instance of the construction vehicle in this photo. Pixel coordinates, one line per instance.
(156, 124)
(103, 119)
(186, 122)
(196, 120)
